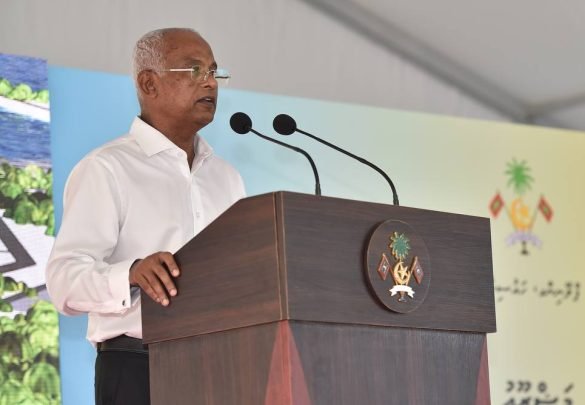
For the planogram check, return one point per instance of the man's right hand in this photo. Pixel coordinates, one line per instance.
(153, 275)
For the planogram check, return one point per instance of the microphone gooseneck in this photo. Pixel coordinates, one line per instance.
(242, 124)
(285, 125)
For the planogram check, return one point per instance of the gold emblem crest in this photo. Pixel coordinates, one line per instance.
(398, 278)
(401, 274)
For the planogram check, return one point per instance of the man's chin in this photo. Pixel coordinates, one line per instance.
(204, 119)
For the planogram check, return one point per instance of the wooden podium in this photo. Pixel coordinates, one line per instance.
(275, 307)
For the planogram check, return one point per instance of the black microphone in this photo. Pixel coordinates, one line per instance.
(286, 125)
(242, 124)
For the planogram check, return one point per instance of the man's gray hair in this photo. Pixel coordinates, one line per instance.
(148, 52)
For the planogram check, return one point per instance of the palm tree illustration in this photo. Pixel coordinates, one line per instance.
(520, 180)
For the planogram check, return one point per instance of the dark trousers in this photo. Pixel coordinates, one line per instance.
(121, 378)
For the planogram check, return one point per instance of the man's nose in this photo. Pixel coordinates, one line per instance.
(209, 81)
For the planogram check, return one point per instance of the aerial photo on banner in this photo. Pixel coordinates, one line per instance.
(29, 348)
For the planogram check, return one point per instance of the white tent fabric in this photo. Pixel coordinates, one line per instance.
(279, 46)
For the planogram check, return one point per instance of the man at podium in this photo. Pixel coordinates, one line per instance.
(132, 201)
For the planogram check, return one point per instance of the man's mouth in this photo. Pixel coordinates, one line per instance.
(207, 100)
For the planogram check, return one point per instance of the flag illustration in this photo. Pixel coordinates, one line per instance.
(496, 205)
(545, 209)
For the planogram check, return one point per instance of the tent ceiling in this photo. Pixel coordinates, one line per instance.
(523, 59)
(527, 56)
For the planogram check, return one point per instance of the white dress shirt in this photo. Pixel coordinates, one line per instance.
(128, 199)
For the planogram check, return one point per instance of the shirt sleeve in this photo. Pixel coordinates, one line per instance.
(240, 187)
(80, 277)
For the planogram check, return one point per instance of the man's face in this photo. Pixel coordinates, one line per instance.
(182, 99)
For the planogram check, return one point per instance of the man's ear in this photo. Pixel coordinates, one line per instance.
(148, 83)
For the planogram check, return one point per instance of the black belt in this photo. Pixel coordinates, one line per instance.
(122, 343)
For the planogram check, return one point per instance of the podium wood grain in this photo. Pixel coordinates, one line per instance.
(273, 307)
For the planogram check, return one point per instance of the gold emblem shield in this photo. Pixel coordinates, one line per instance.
(398, 266)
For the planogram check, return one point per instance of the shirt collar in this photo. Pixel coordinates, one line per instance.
(152, 141)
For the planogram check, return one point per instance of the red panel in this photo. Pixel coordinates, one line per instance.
(286, 381)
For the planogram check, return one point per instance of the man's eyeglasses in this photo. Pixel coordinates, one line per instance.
(222, 76)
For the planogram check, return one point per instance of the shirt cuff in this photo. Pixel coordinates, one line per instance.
(119, 284)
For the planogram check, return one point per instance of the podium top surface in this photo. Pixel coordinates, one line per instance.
(289, 256)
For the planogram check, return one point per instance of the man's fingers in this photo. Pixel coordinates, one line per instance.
(148, 289)
(157, 285)
(169, 261)
(166, 280)
(153, 275)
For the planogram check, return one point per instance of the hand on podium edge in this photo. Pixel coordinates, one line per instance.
(154, 275)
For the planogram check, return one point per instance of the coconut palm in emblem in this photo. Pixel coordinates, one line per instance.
(400, 246)
(521, 181)
(520, 214)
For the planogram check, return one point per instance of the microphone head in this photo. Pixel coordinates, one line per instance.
(284, 124)
(241, 123)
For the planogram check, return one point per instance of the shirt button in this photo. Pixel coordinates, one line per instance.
(198, 214)
(124, 303)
